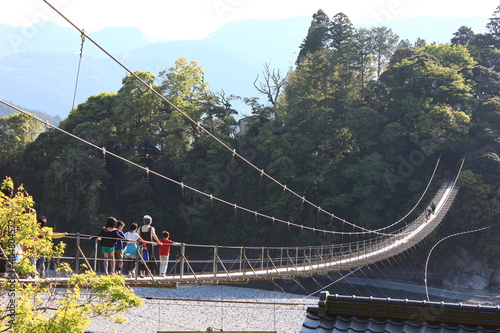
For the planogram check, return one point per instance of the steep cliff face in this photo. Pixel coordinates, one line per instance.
(495, 279)
(464, 269)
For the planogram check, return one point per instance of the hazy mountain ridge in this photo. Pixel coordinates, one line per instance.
(53, 120)
(38, 65)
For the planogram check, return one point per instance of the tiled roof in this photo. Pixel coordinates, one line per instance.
(336, 313)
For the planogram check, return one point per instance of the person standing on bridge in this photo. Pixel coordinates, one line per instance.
(44, 230)
(131, 249)
(119, 247)
(148, 233)
(433, 207)
(108, 237)
(427, 214)
(165, 252)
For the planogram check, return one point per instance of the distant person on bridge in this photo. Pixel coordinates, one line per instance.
(433, 207)
(108, 237)
(165, 252)
(427, 213)
(44, 230)
(148, 233)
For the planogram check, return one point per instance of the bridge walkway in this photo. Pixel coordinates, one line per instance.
(226, 264)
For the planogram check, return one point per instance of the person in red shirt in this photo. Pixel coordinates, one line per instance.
(165, 251)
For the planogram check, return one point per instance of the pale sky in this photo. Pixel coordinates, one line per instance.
(195, 19)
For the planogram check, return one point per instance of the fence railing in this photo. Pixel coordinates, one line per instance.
(196, 262)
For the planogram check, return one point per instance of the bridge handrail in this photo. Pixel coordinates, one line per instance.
(357, 245)
(200, 260)
(353, 246)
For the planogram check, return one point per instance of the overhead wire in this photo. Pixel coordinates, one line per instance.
(204, 130)
(439, 242)
(418, 201)
(78, 70)
(184, 186)
(226, 301)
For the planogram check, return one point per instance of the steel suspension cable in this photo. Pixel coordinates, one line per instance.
(419, 200)
(452, 186)
(445, 238)
(184, 186)
(334, 282)
(203, 129)
(78, 71)
(365, 230)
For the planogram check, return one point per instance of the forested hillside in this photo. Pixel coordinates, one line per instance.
(356, 127)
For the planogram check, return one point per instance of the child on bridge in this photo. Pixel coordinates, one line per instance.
(165, 244)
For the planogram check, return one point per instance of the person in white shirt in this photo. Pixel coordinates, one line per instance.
(130, 251)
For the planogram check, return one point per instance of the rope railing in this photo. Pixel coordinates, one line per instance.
(203, 264)
(403, 231)
(199, 263)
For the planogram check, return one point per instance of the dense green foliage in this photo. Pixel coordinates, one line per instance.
(357, 129)
(37, 307)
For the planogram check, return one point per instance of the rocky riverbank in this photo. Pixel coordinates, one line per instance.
(464, 269)
(230, 308)
(222, 308)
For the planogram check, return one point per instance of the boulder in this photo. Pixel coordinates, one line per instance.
(495, 278)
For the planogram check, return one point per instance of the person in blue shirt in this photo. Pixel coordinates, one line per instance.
(119, 247)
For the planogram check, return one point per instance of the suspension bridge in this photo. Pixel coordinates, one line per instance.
(213, 264)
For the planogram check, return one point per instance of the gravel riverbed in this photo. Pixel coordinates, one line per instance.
(225, 308)
(231, 308)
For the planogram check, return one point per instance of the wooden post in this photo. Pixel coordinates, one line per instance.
(262, 259)
(241, 258)
(215, 260)
(77, 256)
(281, 258)
(96, 247)
(183, 256)
(267, 260)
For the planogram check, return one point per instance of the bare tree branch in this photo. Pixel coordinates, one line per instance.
(272, 83)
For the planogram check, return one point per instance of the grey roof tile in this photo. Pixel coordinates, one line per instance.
(353, 314)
